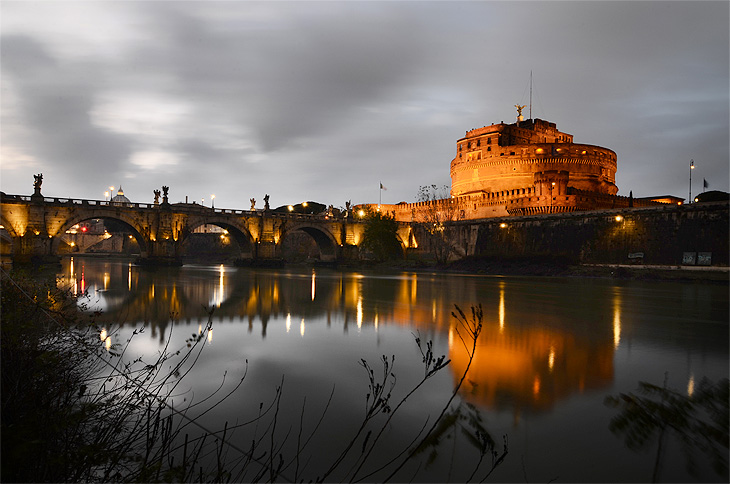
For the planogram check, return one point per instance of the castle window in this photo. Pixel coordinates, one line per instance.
(479, 142)
(489, 141)
(459, 147)
(489, 148)
(511, 153)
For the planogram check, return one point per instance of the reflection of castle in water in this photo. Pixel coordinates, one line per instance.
(519, 364)
(530, 368)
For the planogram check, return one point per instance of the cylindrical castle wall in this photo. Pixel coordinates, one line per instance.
(591, 168)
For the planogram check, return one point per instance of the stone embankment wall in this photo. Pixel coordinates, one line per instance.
(651, 235)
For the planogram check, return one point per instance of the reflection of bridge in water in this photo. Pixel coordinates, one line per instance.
(523, 363)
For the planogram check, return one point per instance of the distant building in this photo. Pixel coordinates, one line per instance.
(120, 199)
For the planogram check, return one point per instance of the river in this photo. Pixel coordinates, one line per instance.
(550, 351)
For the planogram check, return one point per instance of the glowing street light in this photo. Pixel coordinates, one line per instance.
(106, 195)
(212, 201)
(691, 167)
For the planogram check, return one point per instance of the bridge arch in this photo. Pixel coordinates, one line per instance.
(239, 233)
(119, 217)
(8, 237)
(326, 242)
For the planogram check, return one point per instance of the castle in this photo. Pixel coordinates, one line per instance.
(525, 168)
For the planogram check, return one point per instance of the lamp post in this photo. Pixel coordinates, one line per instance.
(212, 201)
(691, 167)
(106, 196)
(552, 185)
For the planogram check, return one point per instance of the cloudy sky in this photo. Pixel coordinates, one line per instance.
(324, 100)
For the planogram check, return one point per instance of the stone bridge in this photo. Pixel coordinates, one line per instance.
(32, 227)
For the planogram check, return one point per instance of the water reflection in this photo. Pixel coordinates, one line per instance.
(550, 350)
(616, 318)
(537, 346)
(530, 368)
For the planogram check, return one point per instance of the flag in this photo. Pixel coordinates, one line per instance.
(382, 187)
(704, 183)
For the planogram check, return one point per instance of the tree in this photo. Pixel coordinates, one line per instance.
(698, 421)
(434, 216)
(381, 236)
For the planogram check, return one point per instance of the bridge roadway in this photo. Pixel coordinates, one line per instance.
(35, 224)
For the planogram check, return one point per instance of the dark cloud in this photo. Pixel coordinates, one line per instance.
(54, 102)
(324, 100)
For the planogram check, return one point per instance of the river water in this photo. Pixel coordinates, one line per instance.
(549, 353)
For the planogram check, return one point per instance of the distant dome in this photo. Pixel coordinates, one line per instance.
(120, 199)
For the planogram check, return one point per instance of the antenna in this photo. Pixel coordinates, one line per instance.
(530, 94)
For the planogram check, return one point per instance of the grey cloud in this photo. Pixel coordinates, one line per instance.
(55, 98)
(313, 100)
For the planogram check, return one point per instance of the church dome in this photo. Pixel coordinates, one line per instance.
(120, 199)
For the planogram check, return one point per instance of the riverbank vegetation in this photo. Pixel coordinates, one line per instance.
(658, 415)
(74, 408)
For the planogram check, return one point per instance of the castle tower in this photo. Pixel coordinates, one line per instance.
(505, 157)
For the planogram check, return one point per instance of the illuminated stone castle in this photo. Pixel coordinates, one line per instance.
(525, 168)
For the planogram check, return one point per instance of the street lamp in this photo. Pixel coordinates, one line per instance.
(691, 167)
(551, 196)
(212, 201)
(106, 196)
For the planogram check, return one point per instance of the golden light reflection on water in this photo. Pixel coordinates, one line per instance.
(529, 366)
(691, 386)
(532, 362)
(616, 318)
(551, 358)
(314, 285)
(359, 312)
(501, 306)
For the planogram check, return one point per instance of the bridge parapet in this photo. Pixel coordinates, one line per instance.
(36, 224)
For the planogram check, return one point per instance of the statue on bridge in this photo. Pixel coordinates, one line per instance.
(164, 195)
(253, 204)
(37, 184)
(348, 208)
(157, 196)
(266, 201)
